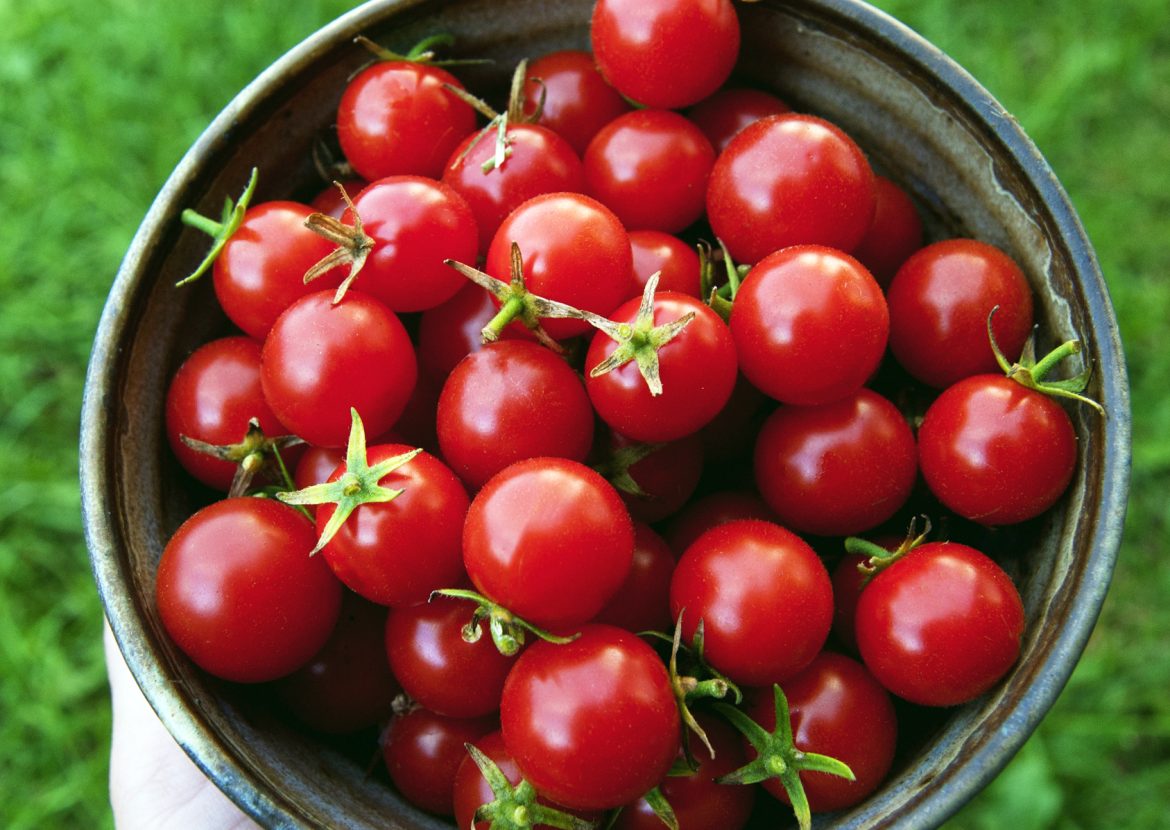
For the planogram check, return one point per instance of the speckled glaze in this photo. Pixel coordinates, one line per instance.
(921, 118)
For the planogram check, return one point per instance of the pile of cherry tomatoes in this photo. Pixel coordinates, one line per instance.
(551, 433)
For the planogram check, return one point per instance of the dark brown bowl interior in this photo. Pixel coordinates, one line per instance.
(922, 120)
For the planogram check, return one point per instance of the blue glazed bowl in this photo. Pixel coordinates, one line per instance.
(921, 118)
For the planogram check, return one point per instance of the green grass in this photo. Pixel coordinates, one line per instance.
(98, 101)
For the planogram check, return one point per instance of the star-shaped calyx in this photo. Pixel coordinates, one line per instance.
(353, 245)
(250, 455)
(358, 485)
(221, 231)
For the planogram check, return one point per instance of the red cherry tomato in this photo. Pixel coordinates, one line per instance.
(330, 201)
(577, 100)
(550, 540)
(836, 469)
(894, 234)
(939, 302)
(662, 53)
(539, 161)
(592, 723)
(764, 597)
(666, 477)
(397, 552)
(790, 180)
(423, 751)
(697, 368)
(238, 592)
(676, 262)
(437, 667)
(396, 118)
(837, 709)
(995, 451)
(650, 167)
(575, 251)
(710, 511)
(449, 332)
(848, 581)
(320, 360)
(810, 325)
(642, 603)
(722, 115)
(940, 626)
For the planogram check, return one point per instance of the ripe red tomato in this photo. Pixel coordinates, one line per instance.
(423, 751)
(941, 625)
(320, 360)
(939, 302)
(710, 511)
(238, 592)
(550, 540)
(676, 262)
(697, 368)
(449, 332)
(722, 115)
(810, 325)
(397, 552)
(764, 597)
(592, 723)
(650, 167)
(839, 468)
(790, 179)
(662, 53)
(995, 451)
(894, 234)
(396, 118)
(660, 481)
(642, 603)
(437, 667)
(509, 401)
(577, 100)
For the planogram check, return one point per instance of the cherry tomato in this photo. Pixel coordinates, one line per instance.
(449, 332)
(662, 53)
(347, 685)
(722, 115)
(810, 325)
(550, 540)
(650, 167)
(941, 625)
(697, 369)
(437, 667)
(575, 251)
(642, 603)
(592, 723)
(995, 451)
(710, 511)
(238, 592)
(320, 360)
(837, 709)
(509, 401)
(662, 479)
(539, 161)
(397, 552)
(839, 468)
(894, 234)
(577, 100)
(396, 118)
(790, 179)
(939, 302)
(764, 597)
(423, 750)
(848, 581)
(330, 201)
(676, 262)
(415, 224)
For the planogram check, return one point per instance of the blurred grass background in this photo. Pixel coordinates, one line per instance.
(98, 101)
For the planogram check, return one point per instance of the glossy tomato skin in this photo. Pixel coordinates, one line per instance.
(676, 262)
(722, 115)
(712, 510)
(810, 325)
(509, 401)
(539, 162)
(321, 359)
(790, 179)
(837, 709)
(650, 167)
(642, 603)
(940, 626)
(397, 552)
(765, 599)
(995, 451)
(449, 332)
(239, 594)
(577, 100)
(396, 118)
(697, 367)
(211, 398)
(837, 469)
(894, 234)
(939, 301)
(260, 271)
(698, 802)
(662, 53)
(667, 476)
(592, 723)
(575, 250)
(423, 750)
(347, 685)
(550, 540)
(437, 667)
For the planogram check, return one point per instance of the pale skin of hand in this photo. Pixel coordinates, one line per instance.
(153, 784)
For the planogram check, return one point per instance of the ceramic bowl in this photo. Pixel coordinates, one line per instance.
(921, 118)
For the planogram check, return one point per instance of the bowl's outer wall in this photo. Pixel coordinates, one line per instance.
(923, 121)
